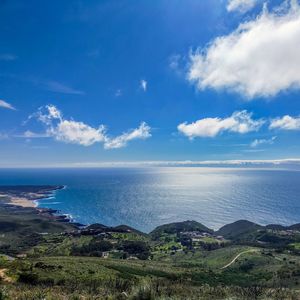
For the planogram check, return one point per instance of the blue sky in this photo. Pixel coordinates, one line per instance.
(102, 81)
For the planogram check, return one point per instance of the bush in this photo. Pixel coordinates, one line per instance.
(3, 294)
(28, 277)
(94, 248)
(138, 248)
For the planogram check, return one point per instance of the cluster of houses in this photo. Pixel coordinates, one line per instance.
(199, 236)
(90, 232)
(105, 233)
(99, 230)
(286, 232)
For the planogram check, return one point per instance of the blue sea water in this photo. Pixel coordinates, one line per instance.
(146, 198)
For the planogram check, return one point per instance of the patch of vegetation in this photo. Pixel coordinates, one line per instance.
(23, 228)
(47, 259)
(176, 228)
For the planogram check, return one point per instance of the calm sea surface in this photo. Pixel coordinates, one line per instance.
(145, 198)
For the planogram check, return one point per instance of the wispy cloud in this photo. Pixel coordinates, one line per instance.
(3, 136)
(258, 142)
(32, 135)
(285, 123)
(45, 84)
(118, 93)
(177, 63)
(239, 122)
(74, 132)
(8, 57)
(6, 105)
(174, 61)
(142, 132)
(58, 87)
(241, 5)
(258, 59)
(143, 85)
(94, 53)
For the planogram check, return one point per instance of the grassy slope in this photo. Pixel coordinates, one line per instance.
(52, 271)
(175, 228)
(20, 229)
(183, 272)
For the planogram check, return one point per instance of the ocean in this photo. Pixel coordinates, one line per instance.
(147, 197)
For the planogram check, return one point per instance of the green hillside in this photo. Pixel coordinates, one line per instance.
(45, 258)
(176, 228)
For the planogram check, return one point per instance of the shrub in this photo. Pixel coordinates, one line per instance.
(138, 248)
(28, 277)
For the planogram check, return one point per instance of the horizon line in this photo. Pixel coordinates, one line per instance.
(165, 163)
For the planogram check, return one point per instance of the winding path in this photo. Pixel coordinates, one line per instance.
(244, 252)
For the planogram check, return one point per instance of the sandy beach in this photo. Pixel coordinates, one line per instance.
(27, 196)
(19, 201)
(24, 202)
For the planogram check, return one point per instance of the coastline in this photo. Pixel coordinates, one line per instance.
(27, 197)
(23, 202)
(53, 252)
(15, 196)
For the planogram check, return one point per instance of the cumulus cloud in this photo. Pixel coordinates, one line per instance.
(4, 104)
(240, 5)
(239, 122)
(77, 133)
(258, 142)
(142, 132)
(285, 123)
(258, 59)
(70, 131)
(143, 84)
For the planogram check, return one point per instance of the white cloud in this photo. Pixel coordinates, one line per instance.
(259, 59)
(70, 131)
(142, 132)
(4, 104)
(258, 142)
(240, 122)
(285, 123)
(77, 133)
(54, 113)
(143, 84)
(240, 5)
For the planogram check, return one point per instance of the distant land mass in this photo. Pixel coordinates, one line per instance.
(44, 254)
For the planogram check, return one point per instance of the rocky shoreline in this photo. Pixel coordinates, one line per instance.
(31, 193)
(24, 197)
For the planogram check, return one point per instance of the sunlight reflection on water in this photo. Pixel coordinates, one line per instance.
(145, 198)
